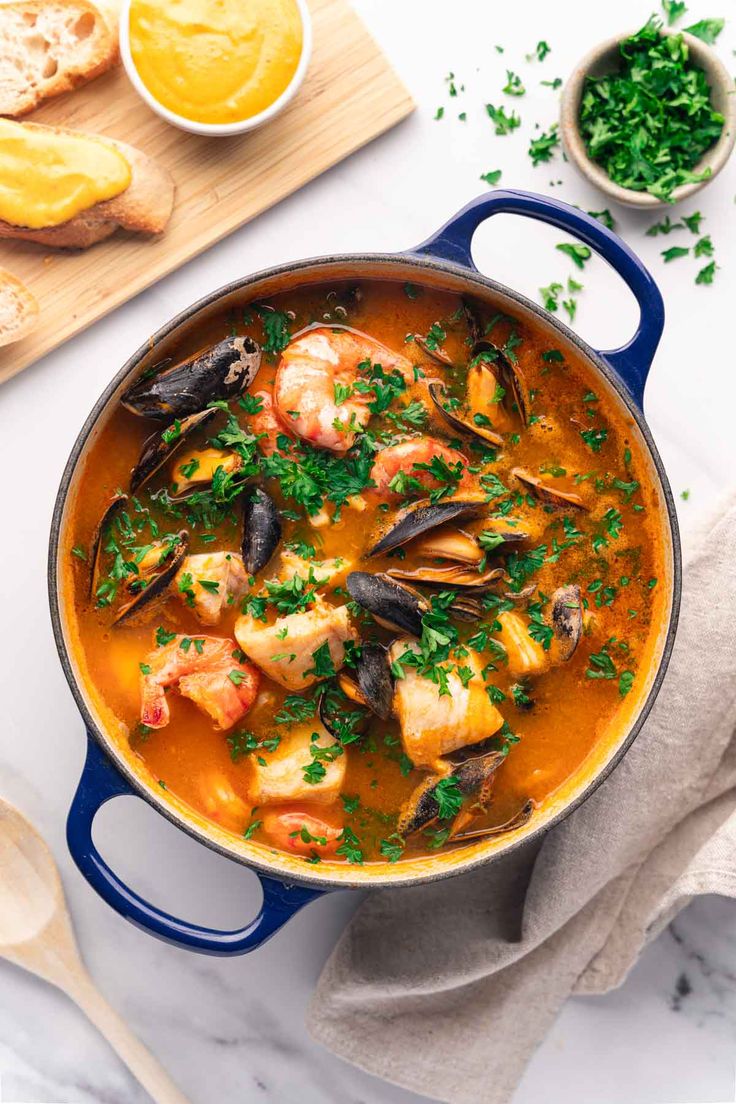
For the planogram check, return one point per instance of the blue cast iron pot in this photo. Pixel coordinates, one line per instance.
(443, 261)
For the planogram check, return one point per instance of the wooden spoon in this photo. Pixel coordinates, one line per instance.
(36, 933)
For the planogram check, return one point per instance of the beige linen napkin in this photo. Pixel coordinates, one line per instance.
(447, 989)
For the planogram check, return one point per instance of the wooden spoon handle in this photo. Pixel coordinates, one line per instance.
(137, 1058)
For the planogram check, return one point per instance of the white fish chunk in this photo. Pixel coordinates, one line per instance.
(211, 582)
(282, 778)
(285, 651)
(432, 725)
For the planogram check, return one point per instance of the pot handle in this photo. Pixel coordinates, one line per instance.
(631, 362)
(100, 782)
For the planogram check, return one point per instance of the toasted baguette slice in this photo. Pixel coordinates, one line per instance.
(51, 46)
(144, 207)
(18, 308)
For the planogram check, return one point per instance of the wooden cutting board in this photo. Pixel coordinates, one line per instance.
(350, 96)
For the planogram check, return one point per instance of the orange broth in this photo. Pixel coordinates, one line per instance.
(576, 441)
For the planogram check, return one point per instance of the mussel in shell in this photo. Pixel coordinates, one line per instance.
(493, 382)
(567, 620)
(155, 576)
(449, 544)
(374, 680)
(460, 547)
(196, 470)
(433, 351)
(469, 835)
(111, 514)
(550, 496)
(369, 686)
(261, 530)
(422, 806)
(473, 423)
(452, 575)
(161, 446)
(220, 372)
(418, 520)
(391, 604)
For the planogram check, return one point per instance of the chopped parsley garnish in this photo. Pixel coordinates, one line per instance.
(707, 29)
(649, 123)
(600, 665)
(674, 10)
(605, 217)
(448, 796)
(393, 848)
(350, 847)
(275, 329)
(513, 86)
(492, 177)
(594, 438)
(503, 123)
(242, 744)
(578, 254)
(707, 274)
(542, 148)
(674, 252)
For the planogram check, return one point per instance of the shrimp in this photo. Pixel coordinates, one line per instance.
(311, 368)
(401, 459)
(204, 670)
(297, 828)
(266, 424)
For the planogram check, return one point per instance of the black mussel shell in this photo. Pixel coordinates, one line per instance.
(518, 820)
(392, 604)
(370, 686)
(461, 423)
(567, 619)
(420, 519)
(550, 496)
(261, 530)
(475, 330)
(161, 446)
(375, 683)
(342, 722)
(474, 772)
(115, 508)
(221, 372)
(510, 377)
(158, 583)
(436, 354)
(449, 575)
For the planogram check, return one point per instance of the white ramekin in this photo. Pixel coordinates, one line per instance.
(217, 130)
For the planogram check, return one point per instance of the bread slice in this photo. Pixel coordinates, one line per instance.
(51, 46)
(144, 207)
(18, 308)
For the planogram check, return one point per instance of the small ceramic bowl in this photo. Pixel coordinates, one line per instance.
(217, 130)
(604, 59)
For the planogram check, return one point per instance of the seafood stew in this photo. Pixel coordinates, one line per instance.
(370, 575)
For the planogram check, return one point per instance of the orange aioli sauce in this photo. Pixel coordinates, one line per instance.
(216, 61)
(46, 177)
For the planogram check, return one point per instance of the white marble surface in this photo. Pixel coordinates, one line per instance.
(233, 1032)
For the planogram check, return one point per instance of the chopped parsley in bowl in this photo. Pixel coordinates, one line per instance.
(650, 118)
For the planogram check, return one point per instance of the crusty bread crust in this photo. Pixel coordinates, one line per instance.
(51, 46)
(144, 207)
(18, 308)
